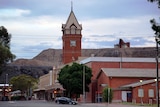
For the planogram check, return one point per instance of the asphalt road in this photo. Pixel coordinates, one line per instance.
(37, 103)
(31, 104)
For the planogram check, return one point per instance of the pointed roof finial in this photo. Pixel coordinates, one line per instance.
(71, 6)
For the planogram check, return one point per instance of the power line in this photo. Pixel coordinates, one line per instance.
(55, 36)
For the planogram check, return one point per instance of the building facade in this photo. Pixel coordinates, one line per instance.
(133, 70)
(48, 88)
(127, 83)
(71, 39)
(122, 74)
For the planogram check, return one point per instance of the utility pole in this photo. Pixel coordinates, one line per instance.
(157, 76)
(83, 83)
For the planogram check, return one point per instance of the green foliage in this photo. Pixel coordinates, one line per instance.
(155, 25)
(5, 52)
(107, 91)
(23, 82)
(5, 37)
(156, 28)
(71, 78)
(158, 2)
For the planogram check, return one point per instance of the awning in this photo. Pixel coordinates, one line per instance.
(39, 89)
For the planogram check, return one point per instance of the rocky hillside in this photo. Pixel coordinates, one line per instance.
(54, 56)
(51, 57)
(30, 62)
(44, 61)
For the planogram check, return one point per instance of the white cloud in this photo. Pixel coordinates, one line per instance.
(146, 44)
(44, 25)
(129, 26)
(91, 45)
(45, 32)
(10, 13)
(38, 26)
(99, 38)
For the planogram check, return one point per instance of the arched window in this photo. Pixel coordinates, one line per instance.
(73, 29)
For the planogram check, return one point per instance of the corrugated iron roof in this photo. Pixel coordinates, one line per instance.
(129, 72)
(117, 59)
(138, 83)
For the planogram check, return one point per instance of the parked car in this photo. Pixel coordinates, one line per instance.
(65, 100)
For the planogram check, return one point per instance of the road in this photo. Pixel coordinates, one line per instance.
(35, 103)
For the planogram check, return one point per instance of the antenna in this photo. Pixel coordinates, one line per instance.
(71, 6)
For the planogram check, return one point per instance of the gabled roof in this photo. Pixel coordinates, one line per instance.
(117, 59)
(128, 72)
(72, 20)
(138, 84)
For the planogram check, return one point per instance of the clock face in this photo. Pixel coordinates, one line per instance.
(72, 43)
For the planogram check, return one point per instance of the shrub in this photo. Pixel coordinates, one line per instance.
(107, 94)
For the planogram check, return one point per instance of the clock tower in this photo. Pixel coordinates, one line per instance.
(71, 39)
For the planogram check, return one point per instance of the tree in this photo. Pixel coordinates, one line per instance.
(156, 28)
(155, 25)
(107, 94)
(5, 53)
(158, 2)
(23, 83)
(71, 78)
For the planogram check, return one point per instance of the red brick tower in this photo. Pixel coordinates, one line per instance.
(71, 39)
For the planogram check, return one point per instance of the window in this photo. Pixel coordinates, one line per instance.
(151, 93)
(73, 29)
(140, 92)
(72, 43)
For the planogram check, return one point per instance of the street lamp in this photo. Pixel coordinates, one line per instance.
(141, 92)
(157, 76)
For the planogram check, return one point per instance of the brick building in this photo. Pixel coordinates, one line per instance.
(122, 44)
(71, 39)
(117, 72)
(122, 74)
(126, 82)
(48, 87)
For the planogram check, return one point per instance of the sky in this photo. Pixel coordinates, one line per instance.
(36, 25)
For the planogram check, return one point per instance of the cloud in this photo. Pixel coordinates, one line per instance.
(13, 13)
(43, 32)
(129, 26)
(36, 25)
(99, 38)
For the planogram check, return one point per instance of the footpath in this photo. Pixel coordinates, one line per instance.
(113, 105)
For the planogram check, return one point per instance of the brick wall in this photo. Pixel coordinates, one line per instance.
(115, 82)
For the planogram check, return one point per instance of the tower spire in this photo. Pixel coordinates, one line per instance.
(71, 6)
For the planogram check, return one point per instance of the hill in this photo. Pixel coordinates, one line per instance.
(54, 56)
(44, 61)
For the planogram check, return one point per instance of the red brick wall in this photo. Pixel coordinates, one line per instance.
(138, 65)
(115, 82)
(96, 66)
(71, 51)
(146, 98)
